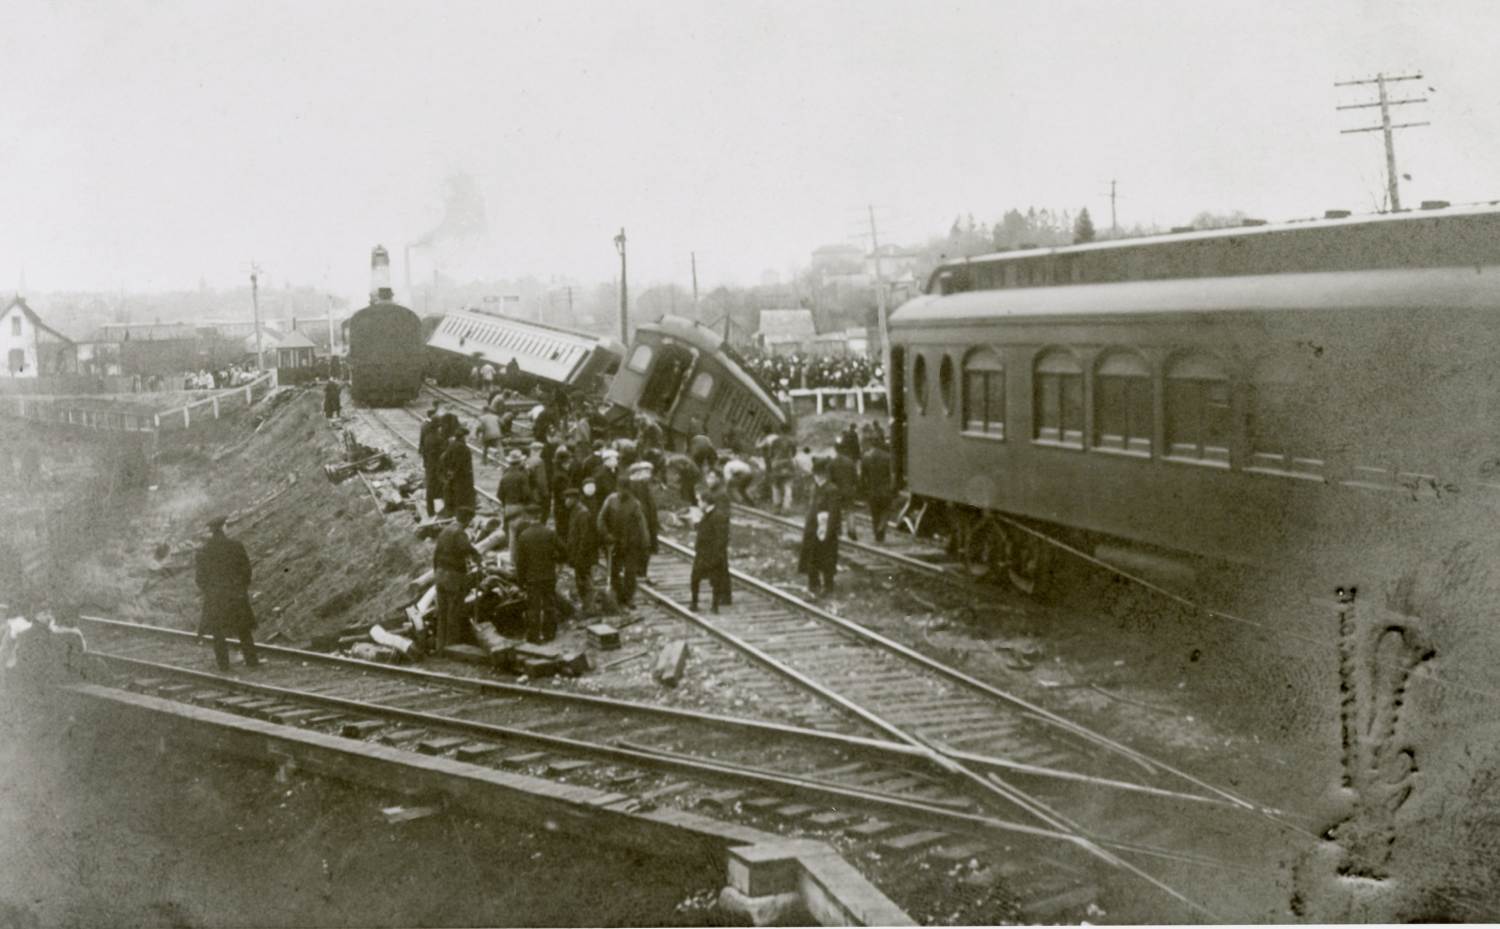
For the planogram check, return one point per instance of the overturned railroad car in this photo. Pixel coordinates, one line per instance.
(525, 354)
(689, 381)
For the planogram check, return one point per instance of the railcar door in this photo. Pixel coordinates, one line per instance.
(895, 398)
(664, 383)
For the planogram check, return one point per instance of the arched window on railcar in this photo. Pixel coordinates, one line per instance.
(1122, 403)
(1057, 385)
(1281, 426)
(945, 383)
(640, 359)
(1197, 410)
(984, 393)
(919, 382)
(703, 385)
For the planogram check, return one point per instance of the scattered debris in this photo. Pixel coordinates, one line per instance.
(671, 661)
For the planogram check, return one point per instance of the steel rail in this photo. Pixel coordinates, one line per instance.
(909, 561)
(651, 759)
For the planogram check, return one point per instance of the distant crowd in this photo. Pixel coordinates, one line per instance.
(801, 371)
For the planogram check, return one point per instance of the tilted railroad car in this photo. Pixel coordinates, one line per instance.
(682, 375)
(1336, 420)
(385, 354)
(526, 354)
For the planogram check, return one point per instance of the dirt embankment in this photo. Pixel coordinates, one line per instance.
(323, 555)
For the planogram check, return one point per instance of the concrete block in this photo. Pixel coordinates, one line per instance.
(440, 744)
(603, 636)
(359, 728)
(772, 910)
(763, 869)
(912, 842)
(671, 662)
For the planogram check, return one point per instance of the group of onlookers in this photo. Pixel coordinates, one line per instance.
(800, 371)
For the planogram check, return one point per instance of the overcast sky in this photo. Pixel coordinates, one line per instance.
(153, 143)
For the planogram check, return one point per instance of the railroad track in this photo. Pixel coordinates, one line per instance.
(875, 796)
(1016, 755)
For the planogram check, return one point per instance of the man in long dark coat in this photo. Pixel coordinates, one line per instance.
(582, 540)
(431, 444)
(876, 485)
(332, 405)
(820, 534)
(623, 531)
(458, 473)
(222, 570)
(640, 476)
(844, 471)
(711, 551)
(538, 553)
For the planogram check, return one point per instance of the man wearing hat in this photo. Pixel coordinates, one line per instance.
(538, 553)
(562, 479)
(627, 539)
(711, 550)
(458, 472)
(541, 487)
(819, 557)
(606, 476)
(450, 562)
(640, 475)
(431, 445)
(514, 494)
(582, 539)
(222, 571)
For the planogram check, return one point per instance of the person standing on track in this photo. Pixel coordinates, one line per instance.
(541, 487)
(623, 531)
(489, 434)
(844, 470)
(538, 553)
(582, 540)
(640, 475)
(876, 484)
(819, 557)
(458, 472)
(222, 571)
(514, 494)
(781, 470)
(711, 551)
(450, 562)
(332, 403)
(487, 378)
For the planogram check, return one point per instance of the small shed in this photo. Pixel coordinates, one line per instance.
(295, 350)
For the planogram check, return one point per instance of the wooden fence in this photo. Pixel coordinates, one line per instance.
(125, 416)
(846, 397)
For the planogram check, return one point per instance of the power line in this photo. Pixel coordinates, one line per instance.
(1392, 179)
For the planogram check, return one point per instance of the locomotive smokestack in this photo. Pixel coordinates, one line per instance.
(380, 275)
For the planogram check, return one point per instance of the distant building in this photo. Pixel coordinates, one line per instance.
(783, 332)
(139, 348)
(31, 347)
(295, 350)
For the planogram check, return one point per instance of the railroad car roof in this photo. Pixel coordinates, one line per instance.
(1406, 216)
(546, 352)
(1460, 288)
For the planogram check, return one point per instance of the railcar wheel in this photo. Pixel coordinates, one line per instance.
(1026, 561)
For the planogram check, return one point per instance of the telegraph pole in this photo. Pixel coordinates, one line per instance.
(1393, 186)
(620, 247)
(255, 308)
(885, 339)
(694, 257)
(1114, 223)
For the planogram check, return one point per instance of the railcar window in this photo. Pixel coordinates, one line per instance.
(1122, 403)
(703, 385)
(945, 384)
(1058, 395)
(1280, 426)
(1197, 409)
(919, 382)
(640, 359)
(984, 394)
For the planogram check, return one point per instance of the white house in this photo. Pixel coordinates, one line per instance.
(30, 347)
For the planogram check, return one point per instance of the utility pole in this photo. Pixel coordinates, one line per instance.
(624, 291)
(1392, 179)
(694, 257)
(255, 308)
(332, 345)
(1114, 222)
(885, 339)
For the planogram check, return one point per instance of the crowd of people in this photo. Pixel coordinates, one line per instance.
(798, 371)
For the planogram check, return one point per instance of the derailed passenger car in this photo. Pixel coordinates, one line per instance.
(688, 380)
